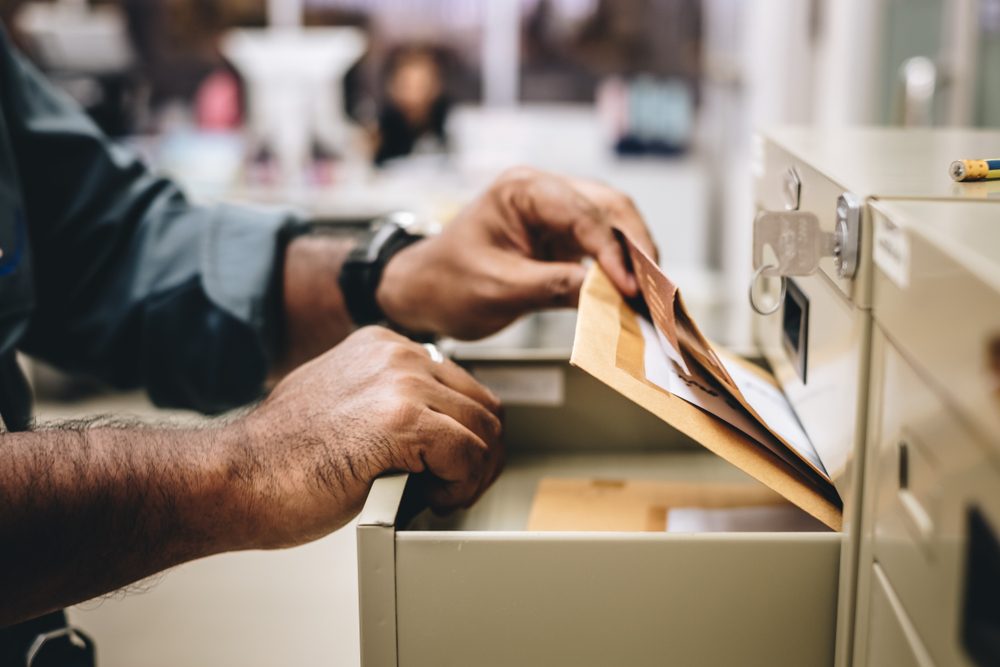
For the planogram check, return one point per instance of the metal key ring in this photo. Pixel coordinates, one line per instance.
(757, 275)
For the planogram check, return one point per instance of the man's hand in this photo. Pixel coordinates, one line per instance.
(126, 501)
(375, 403)
(515, 249)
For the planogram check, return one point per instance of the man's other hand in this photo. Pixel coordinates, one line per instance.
(376, 403)
(515, 249)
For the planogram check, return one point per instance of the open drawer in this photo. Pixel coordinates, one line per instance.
(478, 589)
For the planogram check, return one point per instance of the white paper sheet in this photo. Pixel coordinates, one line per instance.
(764, 518)
(772, 406)
(767, 401)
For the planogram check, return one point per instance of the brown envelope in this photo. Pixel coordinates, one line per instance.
(663, 299)
(609, 346)
(632, 505)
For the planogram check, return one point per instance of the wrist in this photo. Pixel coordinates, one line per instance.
(292, 479)
(226, 508)
(398, 294)
(315, 315)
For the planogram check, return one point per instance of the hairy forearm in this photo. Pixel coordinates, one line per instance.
(88, 508)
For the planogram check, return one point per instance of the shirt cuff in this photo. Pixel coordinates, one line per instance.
(242, 259)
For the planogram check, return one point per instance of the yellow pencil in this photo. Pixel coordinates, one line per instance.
(974, 170)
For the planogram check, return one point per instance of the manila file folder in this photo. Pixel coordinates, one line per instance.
(610, 345)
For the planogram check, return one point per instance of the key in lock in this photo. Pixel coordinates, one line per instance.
(798, 244)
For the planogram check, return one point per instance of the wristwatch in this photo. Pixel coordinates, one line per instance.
(362, 270)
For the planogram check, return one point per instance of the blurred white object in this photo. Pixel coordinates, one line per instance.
(71, 36)
(501, 53)
(918, 79)
(294, 89)
(284, 13)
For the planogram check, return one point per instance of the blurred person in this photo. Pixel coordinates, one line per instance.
(661, 38)
(415, 109)
(177, 43)
(550, 70)
(564, 59)
(107, 270)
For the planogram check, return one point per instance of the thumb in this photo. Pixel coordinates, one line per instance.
(537, 285)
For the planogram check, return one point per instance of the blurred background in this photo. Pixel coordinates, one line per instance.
(350, 108)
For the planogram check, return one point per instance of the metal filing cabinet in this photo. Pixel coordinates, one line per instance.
(931, 521)
(818, 342)
(477, 589)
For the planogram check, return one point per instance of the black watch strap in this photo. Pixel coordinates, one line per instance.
(362, 270)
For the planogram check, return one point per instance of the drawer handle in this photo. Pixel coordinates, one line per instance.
(912, 507)
(918, 515)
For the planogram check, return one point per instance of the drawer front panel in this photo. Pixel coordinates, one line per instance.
(930, 476)
(949, 322)
(582, 600)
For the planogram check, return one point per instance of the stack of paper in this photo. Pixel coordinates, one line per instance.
(652, 352)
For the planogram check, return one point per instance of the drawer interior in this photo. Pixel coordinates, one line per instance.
(477, 588)
(507, 505)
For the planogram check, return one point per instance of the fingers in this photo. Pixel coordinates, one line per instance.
(457, 439)
(484, 420)
(620, 211)
(461, 465)
(584, 215)
(455, 377)
(539, 285)
(486, 425)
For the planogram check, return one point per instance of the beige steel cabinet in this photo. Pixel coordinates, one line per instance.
(819, 341)
(932, 510)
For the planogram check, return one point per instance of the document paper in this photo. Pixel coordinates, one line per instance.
(762, 518)
(680, 360)
(766, 399)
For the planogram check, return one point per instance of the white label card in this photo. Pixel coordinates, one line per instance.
(892, 252)
(524, 385)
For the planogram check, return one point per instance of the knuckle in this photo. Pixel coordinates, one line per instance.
(371, 332)
(491, 289)
(623, 201)
(405, 413)
(559, 289)
(409, 385)
(400, 353)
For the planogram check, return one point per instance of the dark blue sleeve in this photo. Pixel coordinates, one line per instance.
(134, 284)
